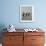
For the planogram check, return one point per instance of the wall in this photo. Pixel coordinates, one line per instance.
(10, 13)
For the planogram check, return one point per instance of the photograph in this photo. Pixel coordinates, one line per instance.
(26, 13)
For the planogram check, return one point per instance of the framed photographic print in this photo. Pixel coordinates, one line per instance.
(26, 13)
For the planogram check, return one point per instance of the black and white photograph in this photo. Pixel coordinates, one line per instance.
(26, 13)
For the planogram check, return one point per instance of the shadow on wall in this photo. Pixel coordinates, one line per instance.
(2, 26)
